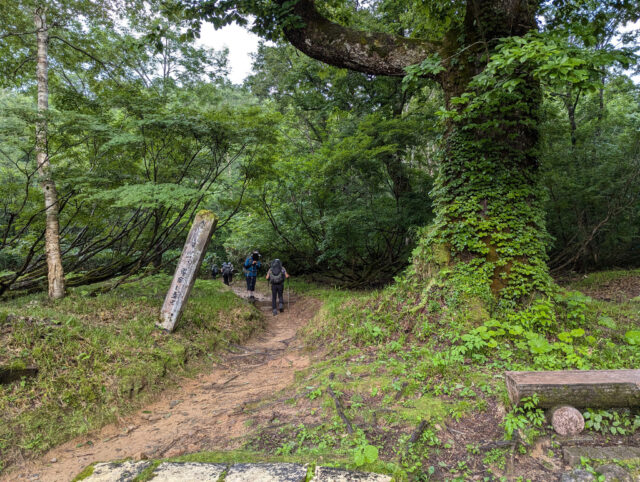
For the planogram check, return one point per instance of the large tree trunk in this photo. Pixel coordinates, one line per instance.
(52, 238)
(489, 231)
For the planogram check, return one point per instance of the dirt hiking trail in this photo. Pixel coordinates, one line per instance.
(203, 413)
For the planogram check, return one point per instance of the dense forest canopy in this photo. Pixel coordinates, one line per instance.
(494, 141)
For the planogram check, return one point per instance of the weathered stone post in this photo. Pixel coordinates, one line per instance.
(187, 269)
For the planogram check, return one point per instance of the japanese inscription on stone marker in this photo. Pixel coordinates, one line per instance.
(187, 269)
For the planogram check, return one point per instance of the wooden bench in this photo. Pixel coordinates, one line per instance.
(577, 388)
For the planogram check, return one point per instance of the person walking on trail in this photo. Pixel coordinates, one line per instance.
(214, 271)
(277, 276)
(227, 273)
(251, 266)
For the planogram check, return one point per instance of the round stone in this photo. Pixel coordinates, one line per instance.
(567, 420)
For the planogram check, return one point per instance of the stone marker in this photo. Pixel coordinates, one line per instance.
(621, 453)
(567, 420)
(331, 474)
(187, 269)
(578, 388)
(266, 473)
(116, 472)
(188, 471)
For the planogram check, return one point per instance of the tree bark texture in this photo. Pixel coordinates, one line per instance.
(489, 218)
(52, 238)
(577, 388)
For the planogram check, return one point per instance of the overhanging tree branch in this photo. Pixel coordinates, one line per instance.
(368, 52)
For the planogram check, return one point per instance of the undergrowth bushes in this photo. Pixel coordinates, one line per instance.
(565, 330)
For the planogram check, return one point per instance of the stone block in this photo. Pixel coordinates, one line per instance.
(622, 453)
(188, 471)
(577, 475)
(266, 473)
(331, 474)
(614, 473)
(116, 472)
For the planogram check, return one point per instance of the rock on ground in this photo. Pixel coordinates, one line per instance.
(266, 473)
(330, 474)
(567, 420)
(115, 472)
(577, 475)
(188, 471)
(614, 473)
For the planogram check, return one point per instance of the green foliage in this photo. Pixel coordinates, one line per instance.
(614, 422)
(350, 187)
(364, 453)
(525, 416)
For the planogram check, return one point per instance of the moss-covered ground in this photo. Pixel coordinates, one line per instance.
(100, 357)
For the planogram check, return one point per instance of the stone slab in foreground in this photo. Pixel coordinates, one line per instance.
(116, 472)
(191, 471)
(578, 388)
(330, 474)
(266, 473)
(620, 453)
(187, 269)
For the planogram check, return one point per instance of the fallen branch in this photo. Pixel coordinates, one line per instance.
(339, 407)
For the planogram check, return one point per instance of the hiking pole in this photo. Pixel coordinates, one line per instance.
(288, 295)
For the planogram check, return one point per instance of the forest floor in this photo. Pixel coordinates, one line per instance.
(208, 412)
(319, 385)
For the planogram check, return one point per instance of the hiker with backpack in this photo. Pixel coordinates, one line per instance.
(277, 276)
(251, 266)
(227, 273)
(214, 271)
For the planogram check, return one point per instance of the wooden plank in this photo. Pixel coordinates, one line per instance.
(578, 388)
(187, 268)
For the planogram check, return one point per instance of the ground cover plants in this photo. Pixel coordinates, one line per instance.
(413, 385)
(100, 357)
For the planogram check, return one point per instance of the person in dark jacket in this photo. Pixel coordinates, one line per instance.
(277, 276)
(251, 265)
(227, 273)
(214, 271)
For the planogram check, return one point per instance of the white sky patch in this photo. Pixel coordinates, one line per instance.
(241, 44)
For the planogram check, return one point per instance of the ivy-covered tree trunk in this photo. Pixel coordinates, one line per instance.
(489, 233)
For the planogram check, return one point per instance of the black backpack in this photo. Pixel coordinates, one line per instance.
(277, 272)
(226, 268)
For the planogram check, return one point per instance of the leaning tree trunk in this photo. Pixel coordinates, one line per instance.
(489, 234)
(52, 237)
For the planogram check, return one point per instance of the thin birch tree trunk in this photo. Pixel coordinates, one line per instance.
(52, 237)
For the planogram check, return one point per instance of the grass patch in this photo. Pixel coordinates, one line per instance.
(101, 357)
